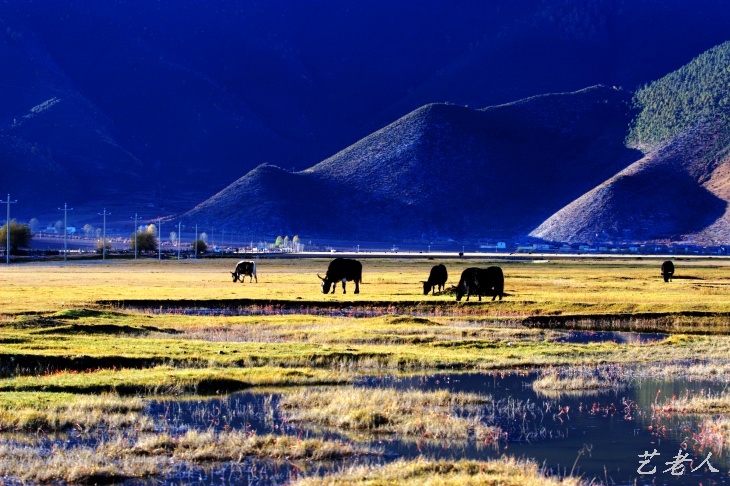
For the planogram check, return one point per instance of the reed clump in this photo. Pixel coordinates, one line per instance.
(702, 402)
(715, 433)
(574, 382)
(436, 414)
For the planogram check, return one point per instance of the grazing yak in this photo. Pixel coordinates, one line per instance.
(244, 268)
(437, 278)
(342, 269)
(667, 270)
(481, 281)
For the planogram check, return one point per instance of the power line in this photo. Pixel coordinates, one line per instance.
(65, 210)
(103, 241)
(7, 248)
(159, 237)
(136, 230)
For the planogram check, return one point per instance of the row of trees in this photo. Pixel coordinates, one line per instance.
(145, 239)
(285, 242)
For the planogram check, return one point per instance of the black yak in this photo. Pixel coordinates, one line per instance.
(481, 281)
(437, 278)
(244, 268)
(667, 270)
(342, 269)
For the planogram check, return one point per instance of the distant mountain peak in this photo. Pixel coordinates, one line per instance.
(443, 171)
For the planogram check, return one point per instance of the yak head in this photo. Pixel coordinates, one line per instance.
(460, 291)
(235, 276)
(326, 284)
(426, 287)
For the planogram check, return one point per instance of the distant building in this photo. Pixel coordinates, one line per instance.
(487, 245)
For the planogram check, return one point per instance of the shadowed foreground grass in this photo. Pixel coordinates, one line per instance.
(498, 472)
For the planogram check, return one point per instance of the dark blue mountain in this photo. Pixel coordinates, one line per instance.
(147, 105)
(442, 171)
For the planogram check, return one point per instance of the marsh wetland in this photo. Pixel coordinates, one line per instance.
(166, 373)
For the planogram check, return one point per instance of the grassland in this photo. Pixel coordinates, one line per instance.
(55, 335)
(131, 330)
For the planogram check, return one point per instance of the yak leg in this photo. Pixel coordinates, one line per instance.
(344, 281)
(357, 286)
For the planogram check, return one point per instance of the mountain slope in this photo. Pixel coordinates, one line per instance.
(441, 171)
(681, 189)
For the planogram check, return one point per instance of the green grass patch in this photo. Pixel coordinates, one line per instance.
(169, 380)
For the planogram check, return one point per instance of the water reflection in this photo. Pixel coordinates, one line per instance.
(598, 435)
(610, 428)
(585, 337)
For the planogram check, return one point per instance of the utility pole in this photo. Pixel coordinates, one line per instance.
(159, 237)
(103, 241)
(196, 241)
(7, 248)
(65, 228)
(136, 230)
(179, 225)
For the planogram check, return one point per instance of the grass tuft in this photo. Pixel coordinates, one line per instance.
(431, 472)
(437, 414)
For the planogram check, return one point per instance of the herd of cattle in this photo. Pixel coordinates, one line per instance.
(474, 281)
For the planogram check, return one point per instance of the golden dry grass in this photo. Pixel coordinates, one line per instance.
(627, 286)
(151, 455)
(436, 414)
(703, 403)
(429, 472)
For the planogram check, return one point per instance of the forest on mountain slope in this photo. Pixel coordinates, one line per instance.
(678, 192)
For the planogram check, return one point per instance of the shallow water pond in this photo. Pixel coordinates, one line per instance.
(585, 337)
(602, 435)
